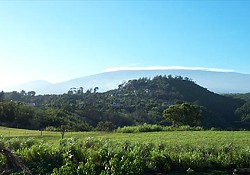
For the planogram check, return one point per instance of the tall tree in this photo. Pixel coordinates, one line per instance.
(31, 93)
(96, 89)
(183, 114)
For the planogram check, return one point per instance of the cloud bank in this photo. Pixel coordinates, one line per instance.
(166, 68)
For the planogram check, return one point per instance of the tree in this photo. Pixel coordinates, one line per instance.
(8, 112)
(1, 96)
(183, 114)
(15, 96)
(63, 129)
(22, 92)
(38, 121)
(23, 115)
(244, 112)
(89, 91)
(80, 90)
(31, 93)
(105, 126)
(72, 90)
(96, 89)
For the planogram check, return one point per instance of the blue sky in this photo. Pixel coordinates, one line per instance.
(61, 40)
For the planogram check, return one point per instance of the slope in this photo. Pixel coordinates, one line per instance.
(219, 82)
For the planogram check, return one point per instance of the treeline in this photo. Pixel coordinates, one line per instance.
(134, 102)
(244, 111)
(21, 115)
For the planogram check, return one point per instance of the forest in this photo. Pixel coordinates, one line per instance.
(162, 100)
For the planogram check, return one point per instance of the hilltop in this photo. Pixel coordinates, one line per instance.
(216, 81)
(134, 102)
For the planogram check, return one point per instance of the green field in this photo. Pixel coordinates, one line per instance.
(145, 153)
(167, 137)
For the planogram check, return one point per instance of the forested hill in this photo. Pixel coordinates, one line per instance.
(163, 91)
(133, 102)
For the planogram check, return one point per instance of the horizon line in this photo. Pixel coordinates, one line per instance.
(167, 68)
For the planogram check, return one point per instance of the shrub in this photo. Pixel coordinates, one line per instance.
(106, 157)
(105, 126)
(140, 128)
(17, 143)
(155, 128)
(42, 158)
(52, 128)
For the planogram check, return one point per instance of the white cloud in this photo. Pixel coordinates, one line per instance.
(166, 68)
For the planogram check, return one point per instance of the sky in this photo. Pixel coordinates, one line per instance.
(61, 40)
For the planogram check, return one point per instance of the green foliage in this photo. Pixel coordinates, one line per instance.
(51, 128)
(42, 158)
(105, 126)
(1, 96)
(17, 143)
(183, 114)
(244, 112)
(183, 128)
(20, 115)
(14, 144)
(124, 158)
(140, 128)
(245, 97)
(15, 114)
(134, 102)
(156, 128)
(3, 163)
(145, 153)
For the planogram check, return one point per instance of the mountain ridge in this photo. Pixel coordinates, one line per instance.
(216, 81)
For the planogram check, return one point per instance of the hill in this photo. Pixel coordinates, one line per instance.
(134, 102)
(160, 92)
(219, 82)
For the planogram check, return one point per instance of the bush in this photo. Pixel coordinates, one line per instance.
(17, 143)
(105, 126)
(155, 128)
(104, 157)
(140, 128)
(52, 128)
(42, 158)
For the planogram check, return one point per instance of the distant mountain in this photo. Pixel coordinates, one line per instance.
(37, 85)
(219, 82)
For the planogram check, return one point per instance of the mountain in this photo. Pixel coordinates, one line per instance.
(216, 81)
(37, 85)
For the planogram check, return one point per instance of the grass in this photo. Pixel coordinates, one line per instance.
(129, 153)
(166, 137)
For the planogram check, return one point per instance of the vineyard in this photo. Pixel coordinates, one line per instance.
(175, 152)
